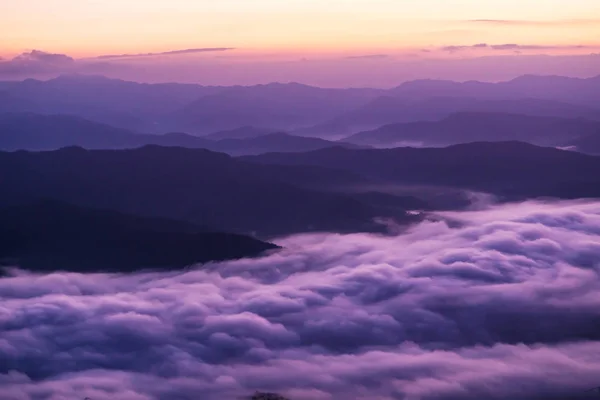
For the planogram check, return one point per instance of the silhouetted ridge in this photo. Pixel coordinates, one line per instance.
(50, 235)
(467, 127)
(506, 168)
(195, 185)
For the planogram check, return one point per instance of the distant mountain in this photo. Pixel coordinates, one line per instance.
(476, 127)
(244, 132)
(505, 168)
(589, 144)
(278, 106)
(26, 131)
(309, 111)
(129, 105)
(585, 92)
(49, 235)
(199, 186)
(390, 201)
(274, 142)
(390, 110)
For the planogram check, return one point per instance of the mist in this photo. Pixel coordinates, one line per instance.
(500, 302)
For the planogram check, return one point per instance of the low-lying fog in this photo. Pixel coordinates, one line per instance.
(499, 303)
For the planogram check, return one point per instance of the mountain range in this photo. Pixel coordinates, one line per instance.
(193, 185)
(511, 169)
(477, 127)
(27, 131)
(102, 174)
(306, 110)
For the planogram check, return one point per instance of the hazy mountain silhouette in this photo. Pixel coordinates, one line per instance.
(24, 131)
(589, 144)
(274, 142)
(129, 105)
(159, 108)
(389, 110)
(506, 168)
(199, 186)
(473, 127)
(278, 106)
(557, 88)
(244, 132)
(46, 132)
(49, 235)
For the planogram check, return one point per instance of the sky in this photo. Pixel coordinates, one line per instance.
(270, 32)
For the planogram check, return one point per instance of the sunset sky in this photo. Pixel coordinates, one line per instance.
(283, 30)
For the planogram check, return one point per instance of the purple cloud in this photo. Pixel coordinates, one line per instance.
(368, 57)
(36, 61)
(503, 302)
(166, 53)
(514, 47)
(453, 49)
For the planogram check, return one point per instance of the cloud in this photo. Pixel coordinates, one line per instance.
(173, 52)
(514, 47)
(36, 61)
(44, 57)
(504, 304)
(368, 57)
(453, 49)
(533, 22)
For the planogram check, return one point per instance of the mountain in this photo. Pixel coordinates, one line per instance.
(274, 142)
(195, 185)
(50, 235)
(390, 201)
(129, 105)
(244, 132)
(585, 92)
(390, 110)
(475, 127)
(505, 168)
(589, 144)
(309, 111)
(277, 106)
(26, 131)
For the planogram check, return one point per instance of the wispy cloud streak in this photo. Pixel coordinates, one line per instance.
(166, 53)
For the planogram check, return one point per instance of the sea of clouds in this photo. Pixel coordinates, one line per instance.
(500, 303)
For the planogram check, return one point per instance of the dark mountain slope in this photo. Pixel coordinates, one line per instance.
(192, 185)
(50, 235)
(507, 168)
(244, 132)
(274, 142)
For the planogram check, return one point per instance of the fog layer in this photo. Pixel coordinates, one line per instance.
(499, 303)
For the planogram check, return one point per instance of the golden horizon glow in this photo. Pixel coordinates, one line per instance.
(87, 28)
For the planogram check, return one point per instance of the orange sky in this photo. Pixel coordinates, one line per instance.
(83, 28)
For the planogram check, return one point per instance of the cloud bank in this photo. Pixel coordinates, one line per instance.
(514, 46)
(167, 53)
(502, 303)
(223, 67)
